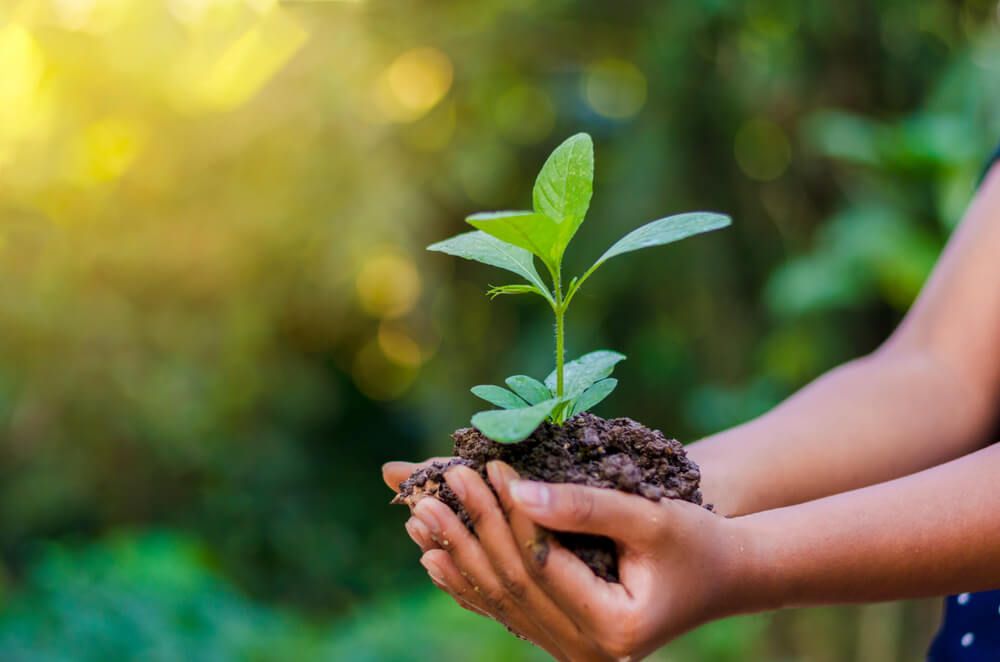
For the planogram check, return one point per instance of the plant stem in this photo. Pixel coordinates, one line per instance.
(560, 312)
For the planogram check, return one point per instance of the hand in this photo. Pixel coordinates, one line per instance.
(483, 595)
(680, 565)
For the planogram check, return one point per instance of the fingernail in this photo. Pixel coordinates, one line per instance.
(395, 464)
(456, 481)
(432, 570)
(417, 531)
(529, 493)
(425, 511)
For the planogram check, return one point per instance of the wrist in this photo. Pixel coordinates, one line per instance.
(721, 484)
(754, 569)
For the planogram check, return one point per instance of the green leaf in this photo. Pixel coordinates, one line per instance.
(533, 232)
(656, 233)
(584, 371)
(564, 187)
(513, 425)
(560, 413)
(665, 231)
(529, 388)
(593, 395)
(481, 247)
(499, 396)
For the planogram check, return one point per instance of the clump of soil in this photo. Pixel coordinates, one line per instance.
(588, 450)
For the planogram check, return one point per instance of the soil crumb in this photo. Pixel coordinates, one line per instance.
(618, 453)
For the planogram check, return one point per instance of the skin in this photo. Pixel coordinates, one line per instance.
(891, 453)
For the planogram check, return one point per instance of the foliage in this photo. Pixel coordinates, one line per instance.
(511, 240)
(149, 597)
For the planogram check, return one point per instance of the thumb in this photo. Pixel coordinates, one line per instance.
(580, 509)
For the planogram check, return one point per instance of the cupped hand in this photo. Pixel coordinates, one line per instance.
(679, 564)
(456, 562)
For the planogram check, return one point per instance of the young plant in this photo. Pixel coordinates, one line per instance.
(511, 240)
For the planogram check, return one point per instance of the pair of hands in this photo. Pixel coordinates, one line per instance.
(679, 564)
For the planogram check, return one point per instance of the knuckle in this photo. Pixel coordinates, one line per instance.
(515, 585)
(498, 600)
(581, 506)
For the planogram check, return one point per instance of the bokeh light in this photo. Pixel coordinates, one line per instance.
(382, 377)
(398, 346)
(388, 285)
(23, 108)
(413, 83)
(614, 88)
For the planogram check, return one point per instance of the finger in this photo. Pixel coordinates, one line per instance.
(472, 563)
(581, 509)
(419, 534)
(498, 543)
(585, 598)
(466, 552)
(449, 579)
(394, 473)
(446, 576)
(492, 529)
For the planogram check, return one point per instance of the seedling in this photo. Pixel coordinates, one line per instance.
(511, 240)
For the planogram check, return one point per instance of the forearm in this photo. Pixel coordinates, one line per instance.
(932, 533)
(928, 396)
(868, 421)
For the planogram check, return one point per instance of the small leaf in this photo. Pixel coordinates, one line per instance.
(593, 395)
(564, 187)
(533, 232)
(513, 425)
(529, 388)
(481, 247)
(497, 290)
(665, 231)
(499, 396)
(580, 374)
(559, 414)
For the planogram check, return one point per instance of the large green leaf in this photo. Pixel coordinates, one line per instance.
(529, 388)
(665, 231)
(564, 187)
(482, 247)
(584, 371)
(593, 395)
(533, 232)
(513, 425)
(499, 396)
(656, 233)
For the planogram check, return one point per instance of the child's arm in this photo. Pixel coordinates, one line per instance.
(932, 533)
(930, 394)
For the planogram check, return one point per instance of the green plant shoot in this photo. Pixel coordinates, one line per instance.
(511, 240)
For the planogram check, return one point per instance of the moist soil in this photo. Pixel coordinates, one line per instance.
(618, 453)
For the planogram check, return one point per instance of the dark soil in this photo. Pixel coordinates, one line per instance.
(588, 450)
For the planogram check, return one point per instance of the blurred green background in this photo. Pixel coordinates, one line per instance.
(217, 318)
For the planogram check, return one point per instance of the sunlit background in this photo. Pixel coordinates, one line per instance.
(217, 318)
